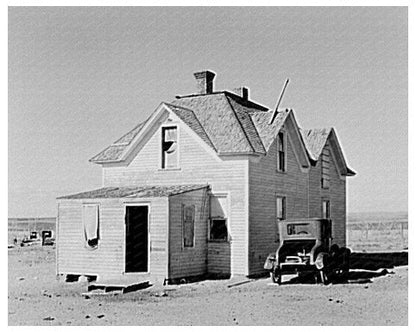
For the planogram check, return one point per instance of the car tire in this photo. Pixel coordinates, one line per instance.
(276, 276)
(345, 254)
(321, 264)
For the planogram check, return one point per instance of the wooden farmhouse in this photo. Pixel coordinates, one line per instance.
(198, 189)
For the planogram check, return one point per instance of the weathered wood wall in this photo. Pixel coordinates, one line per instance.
(265, 184)
(188, 261)
(336, 194)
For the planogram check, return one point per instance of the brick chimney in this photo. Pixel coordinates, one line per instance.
(242, 92)
(204, 82)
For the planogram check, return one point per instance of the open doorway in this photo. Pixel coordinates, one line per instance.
(137, 238)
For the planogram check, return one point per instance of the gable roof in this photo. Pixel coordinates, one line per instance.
(135, 192)
(228, 124)
(268, 132)
(222, 120)
(315, 140)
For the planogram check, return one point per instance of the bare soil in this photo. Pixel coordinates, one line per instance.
(36, 297)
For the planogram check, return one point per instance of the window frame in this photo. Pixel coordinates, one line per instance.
(184, 207)
(283, 199)
(327, 203)
(211, 220)
(325, 168)
(226, 218)
(281, 136)
(163, 128)
(98, 207)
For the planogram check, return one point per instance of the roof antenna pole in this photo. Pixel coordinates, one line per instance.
(278, 102)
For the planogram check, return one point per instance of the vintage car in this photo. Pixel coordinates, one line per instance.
(306, 247)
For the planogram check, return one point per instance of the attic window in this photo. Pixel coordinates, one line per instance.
(325, 168)
(281, 152)
(169, 147)
(90, 220)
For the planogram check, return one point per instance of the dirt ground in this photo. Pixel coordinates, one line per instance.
(35, 297)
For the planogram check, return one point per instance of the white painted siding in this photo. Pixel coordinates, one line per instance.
(197, 166)
(107, 261)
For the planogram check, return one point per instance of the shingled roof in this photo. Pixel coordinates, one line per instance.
(135, 192)
(315, 140)
(227, 123)
(224, 121)
(115, 150)
(268, 131)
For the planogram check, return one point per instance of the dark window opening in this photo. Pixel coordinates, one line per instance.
(219, 230)
(280, 152)
(218, 218)
(295, 229)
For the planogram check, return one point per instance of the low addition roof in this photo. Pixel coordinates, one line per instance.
(135, 192)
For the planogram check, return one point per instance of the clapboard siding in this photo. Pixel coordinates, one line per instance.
(219, 258)
(188, 261)
(265, 184)
(336, 194)
(73, 257)
(197, 165)
(158, 235)
(107, 260)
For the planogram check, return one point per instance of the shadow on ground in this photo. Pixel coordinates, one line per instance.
(376, 261)
(363, 268)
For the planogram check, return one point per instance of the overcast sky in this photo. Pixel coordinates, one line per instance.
(81, 77)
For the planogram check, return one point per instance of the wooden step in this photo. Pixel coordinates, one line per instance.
(118, 285)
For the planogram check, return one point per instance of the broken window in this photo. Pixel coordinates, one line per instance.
(325, 168)
(90, 219)
(281, 152)
(169, 147)
(280, 207)
(326, 213)
(218, 218)
(188, 222)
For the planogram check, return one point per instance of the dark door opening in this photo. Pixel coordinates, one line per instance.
(136, 238)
